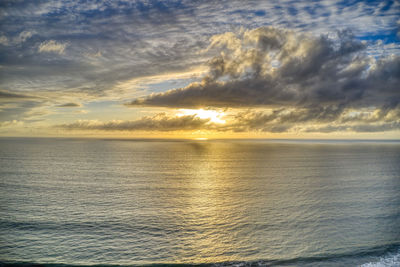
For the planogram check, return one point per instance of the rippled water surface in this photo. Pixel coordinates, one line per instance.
(87, 202)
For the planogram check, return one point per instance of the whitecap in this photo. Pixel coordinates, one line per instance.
(390, 260)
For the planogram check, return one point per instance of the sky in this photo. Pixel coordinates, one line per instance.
(200, 69)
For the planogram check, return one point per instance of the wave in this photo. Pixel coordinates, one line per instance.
(384, 256)
(390, 260)
(380, 256)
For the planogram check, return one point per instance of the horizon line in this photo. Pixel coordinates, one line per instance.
(201, 139)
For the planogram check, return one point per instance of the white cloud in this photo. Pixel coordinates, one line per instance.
(4, 40)
(52, 46)
(23, 36)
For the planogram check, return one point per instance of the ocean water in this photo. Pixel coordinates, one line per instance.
(242, 203)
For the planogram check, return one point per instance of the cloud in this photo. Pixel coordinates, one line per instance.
(23, 36)
(182, 29)
(20, 108)
(52, 46)
(5, 95)
(103, 57)
(280, 120)
(4, 40)
(70, 105)
(13, 123)
(270, 66)
(283, 119)
(359, 128)
(328, 119)
(398, 29)
(158, 122)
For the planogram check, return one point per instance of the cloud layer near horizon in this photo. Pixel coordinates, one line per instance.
(158, 122)
(281, 120)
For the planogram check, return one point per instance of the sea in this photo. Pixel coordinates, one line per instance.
(92, 202)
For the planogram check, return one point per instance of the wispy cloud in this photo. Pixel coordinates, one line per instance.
(159, 122)
(52, 46)
(13, 123)
(70, 105)
(23, 36)
(6, 95)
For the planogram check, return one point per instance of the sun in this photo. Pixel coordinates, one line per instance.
(201, 139)
(213, 115)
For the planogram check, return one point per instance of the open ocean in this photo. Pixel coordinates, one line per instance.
(160, 202)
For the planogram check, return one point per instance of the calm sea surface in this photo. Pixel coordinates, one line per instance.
(115, 202)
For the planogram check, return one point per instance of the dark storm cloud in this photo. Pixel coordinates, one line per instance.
(278, 67)
(159, 122)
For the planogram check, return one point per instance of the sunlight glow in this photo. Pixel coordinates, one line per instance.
(214, 115)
